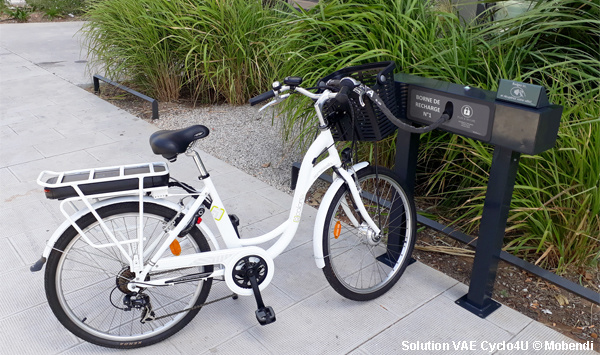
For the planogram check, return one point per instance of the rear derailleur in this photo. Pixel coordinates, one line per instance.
(139, 301)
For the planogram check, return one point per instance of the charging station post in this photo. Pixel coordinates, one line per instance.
(517, 119)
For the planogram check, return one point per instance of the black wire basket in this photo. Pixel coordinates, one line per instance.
(369, 123)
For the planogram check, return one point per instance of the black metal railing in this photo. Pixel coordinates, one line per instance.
(154, 102)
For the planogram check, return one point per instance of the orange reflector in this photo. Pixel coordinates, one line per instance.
(175, 247)
(337, 229)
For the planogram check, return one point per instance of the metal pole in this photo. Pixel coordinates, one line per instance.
(96, 85)
(405, 166)
(407, 155)
(154, 109)
(503, 172)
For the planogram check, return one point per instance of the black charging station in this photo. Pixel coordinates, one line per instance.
(517, 119)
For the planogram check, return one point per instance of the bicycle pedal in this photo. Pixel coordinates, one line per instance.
(265, 315)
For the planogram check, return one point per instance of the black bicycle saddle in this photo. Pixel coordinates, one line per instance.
(170, 143)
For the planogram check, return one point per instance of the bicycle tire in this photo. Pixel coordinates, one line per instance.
(359, 265)
(82, 283)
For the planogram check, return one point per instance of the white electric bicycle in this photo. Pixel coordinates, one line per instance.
(131, 268)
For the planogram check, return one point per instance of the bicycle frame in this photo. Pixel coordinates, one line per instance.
(235, 248)
(285, 231)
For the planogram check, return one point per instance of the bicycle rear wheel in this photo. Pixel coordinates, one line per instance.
(86, 286)
(360, 265)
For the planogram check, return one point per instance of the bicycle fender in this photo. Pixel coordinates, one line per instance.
(77, 215)
(322, 214)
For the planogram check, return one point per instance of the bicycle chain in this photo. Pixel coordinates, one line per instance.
(195, 307)
(233, 295)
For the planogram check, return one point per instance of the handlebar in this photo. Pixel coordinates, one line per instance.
(262, 97)
(341, 90)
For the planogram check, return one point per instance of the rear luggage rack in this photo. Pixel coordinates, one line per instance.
(89, 182)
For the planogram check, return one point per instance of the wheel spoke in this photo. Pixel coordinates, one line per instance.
(357, 262)
(89, 283)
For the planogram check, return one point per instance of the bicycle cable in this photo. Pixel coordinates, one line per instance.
(399, 122)
(111, 302)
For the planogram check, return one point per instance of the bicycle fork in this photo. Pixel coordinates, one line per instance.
(343, 177)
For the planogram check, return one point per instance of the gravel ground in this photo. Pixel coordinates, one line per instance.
(241, 136)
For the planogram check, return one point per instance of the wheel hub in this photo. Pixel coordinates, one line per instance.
(124, 277)
(369, 234)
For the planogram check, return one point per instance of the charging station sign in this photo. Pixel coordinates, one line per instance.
(471, 117)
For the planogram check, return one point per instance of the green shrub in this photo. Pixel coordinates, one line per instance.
(19, 13)
(59, 8)
(215, 50)
(125, 44)
(4, 7)
(556, 203)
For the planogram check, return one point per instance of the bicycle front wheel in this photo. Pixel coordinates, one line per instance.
(359, 264)
(87, 290)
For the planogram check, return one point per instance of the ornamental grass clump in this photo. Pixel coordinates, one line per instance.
(224, 47)
(209, 50)
(126, 45)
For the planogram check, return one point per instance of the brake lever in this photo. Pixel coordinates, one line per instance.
(357, 87)
(361, 90)
(277, 100)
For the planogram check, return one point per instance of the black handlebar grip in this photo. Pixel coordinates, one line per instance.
(262, 97)
(342, 95)
(349, 82)
(333, 82)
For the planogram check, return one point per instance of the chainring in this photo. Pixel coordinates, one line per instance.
(251, 262)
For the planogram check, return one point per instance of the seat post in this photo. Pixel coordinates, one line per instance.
(199, 164)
